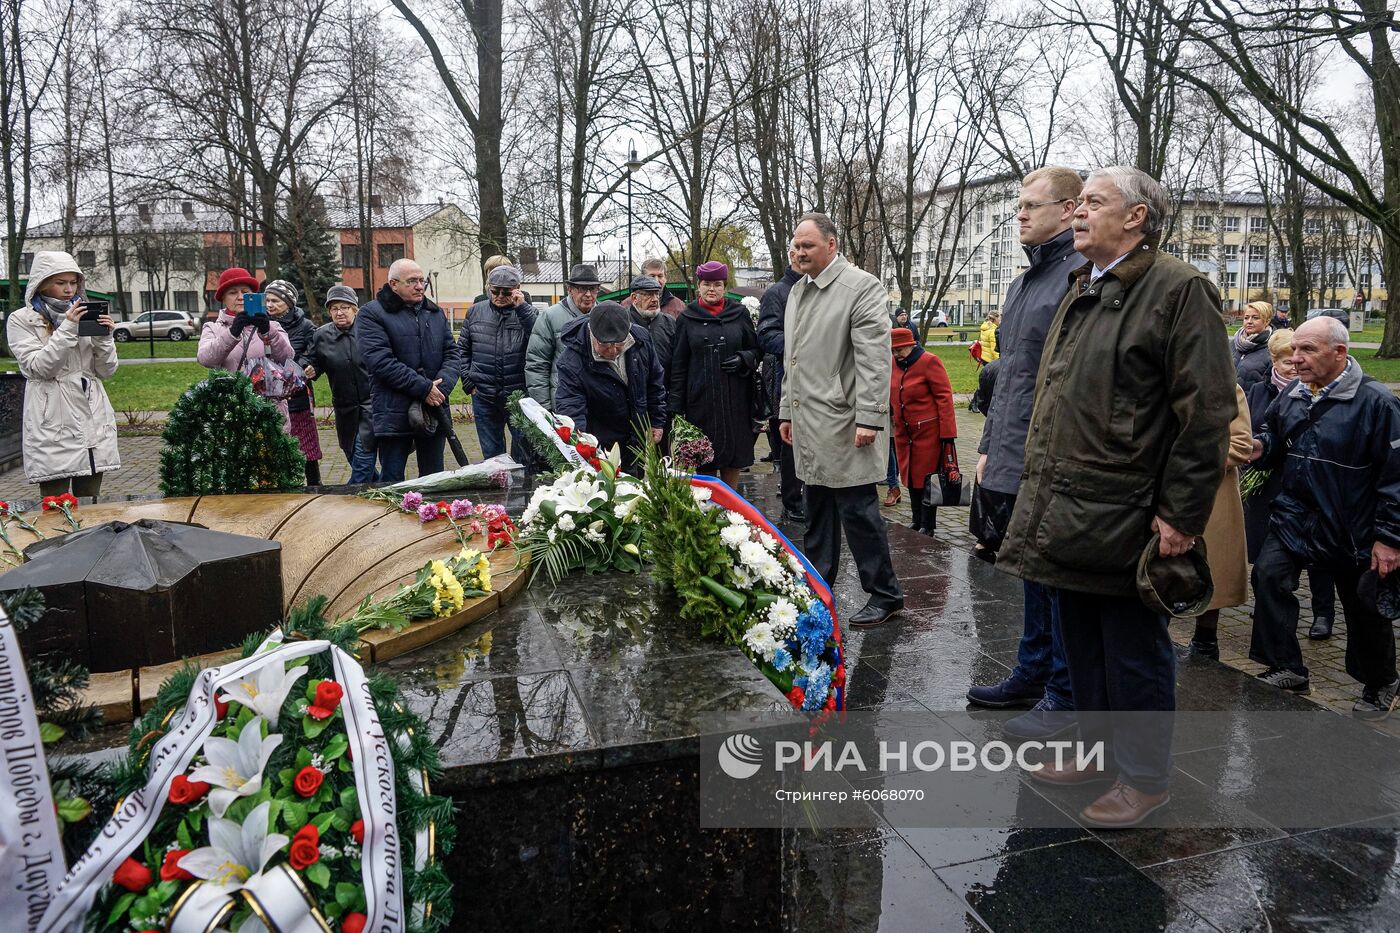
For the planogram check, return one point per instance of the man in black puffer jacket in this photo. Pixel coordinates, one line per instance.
(492, 341)
(333, 353)
(406, 344)
(610, 381)
(1335, 436)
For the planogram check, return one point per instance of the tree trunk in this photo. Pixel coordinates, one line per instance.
(492, 222)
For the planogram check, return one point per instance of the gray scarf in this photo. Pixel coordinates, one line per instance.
(53, 309)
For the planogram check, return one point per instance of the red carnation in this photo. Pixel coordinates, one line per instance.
(184, 791)
(4, 508)
(586, 450)
(830, 702)
(306, 846)
(69, 500)
(443, 508)
(565, 432)
(132, 875)
(49, 502)
(353, 923)
(839, 678)
(328, 694)
(357, 832)
(308, 781)
(796, 696)
(594, 463)
(170, 869)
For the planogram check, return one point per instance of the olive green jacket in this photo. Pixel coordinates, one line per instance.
(1131, 420)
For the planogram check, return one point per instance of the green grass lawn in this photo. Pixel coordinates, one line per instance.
(165, 349)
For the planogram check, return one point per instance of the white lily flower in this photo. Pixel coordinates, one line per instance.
(581, 497)
(236, 855)
(625, 489)
(265, 691)
(235, 769)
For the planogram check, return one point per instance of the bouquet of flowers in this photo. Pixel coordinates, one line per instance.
(497, 472)
(474, 519)
(553, 438)
(441, 588)
(692, 449)
(584, 521)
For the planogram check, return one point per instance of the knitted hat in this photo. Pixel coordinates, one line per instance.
(231, 277)
(608, 322)
(284, 290)
(901, 337)
(342, 293)
(712, 271)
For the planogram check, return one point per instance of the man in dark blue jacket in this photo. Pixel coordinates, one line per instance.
(1044, 214)
(493, 339)
(1335, 435)
(771, 309)
(610, 381)
(406, 344)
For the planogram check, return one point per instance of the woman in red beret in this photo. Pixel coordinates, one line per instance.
(234, 337)
(921, 409)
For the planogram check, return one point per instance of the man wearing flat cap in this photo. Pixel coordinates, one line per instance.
(646, 312)
(540, 357)
(493, 340)
(610, 382)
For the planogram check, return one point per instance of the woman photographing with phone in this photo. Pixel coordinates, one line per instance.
(70, 429)
(243, 339)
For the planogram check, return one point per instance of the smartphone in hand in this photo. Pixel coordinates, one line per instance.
(253, 305)
(92, 310)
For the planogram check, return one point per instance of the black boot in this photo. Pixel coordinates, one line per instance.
(1321, 628)
(313, 472)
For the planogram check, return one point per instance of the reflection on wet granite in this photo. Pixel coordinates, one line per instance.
(1076, 886)
(877, 884)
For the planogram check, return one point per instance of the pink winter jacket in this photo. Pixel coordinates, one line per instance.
(220, 349)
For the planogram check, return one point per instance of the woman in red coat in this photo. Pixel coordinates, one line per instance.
(921, 408)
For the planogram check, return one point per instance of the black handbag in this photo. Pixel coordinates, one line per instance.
(990, 517)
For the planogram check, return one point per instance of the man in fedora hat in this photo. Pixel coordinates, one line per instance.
(540, 375)
(1333, 436)
(1127, 439)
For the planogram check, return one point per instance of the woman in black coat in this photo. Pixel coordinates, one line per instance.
(1250, 345)
(1258, 505)
(714, 356)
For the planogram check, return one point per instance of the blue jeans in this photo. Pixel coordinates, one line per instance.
(1040, 661)
(892, 474)
(362, 469)
(492, 419)
(393, 455)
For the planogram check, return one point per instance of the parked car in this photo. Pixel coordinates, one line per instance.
(172, 325)
(1337, 313)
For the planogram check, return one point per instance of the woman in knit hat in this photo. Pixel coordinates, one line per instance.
(714, 358)
(925, 428)
(70, 429)
(281, 298)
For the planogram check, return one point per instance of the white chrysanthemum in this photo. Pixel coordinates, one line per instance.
(760, 640)
(622, 510)
(701, 493)
(734, 518)
(769, 542)
(794, 564)
(552, 535)
(566, 522)
(782, 616)
(530, 514)
(734, 535)
(752, 553)
(771, 571)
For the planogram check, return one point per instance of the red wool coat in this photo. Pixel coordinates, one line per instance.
(921, 410)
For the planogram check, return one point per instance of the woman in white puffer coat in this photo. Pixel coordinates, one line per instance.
(70, 429)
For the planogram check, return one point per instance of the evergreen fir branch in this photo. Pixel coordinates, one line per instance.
(539, 443)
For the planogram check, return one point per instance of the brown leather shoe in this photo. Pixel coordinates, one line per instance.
(1123, 806)
(1069, 775)
(892, 497)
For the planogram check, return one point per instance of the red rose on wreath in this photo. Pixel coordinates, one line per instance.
(357, 832)
(594, 463)
(132, 875)
(306, 847)
(796, 696)
(220, 707)
(586, 451)
(353, 923)
(308, 781)
(183, 790)
(170, 869)
(328, 694)
(565, 432)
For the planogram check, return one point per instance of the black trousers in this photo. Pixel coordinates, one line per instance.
(1274, 640)
(1121, 661)
(856, 510)
(791, 488)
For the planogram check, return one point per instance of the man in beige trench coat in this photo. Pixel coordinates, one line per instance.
(835, 404)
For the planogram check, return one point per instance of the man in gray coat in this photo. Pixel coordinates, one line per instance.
(1044, 214)
(835, 404)
(645, 311)
(540, 376)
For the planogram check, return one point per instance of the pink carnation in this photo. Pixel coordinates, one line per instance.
(411, 501)
(474, 527)
(460, 508)
(427, 512)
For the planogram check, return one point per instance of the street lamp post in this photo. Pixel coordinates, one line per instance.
(633, 164)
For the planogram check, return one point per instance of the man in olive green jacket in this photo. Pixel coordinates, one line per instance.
(1127, 437)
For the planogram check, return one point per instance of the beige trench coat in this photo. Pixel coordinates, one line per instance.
(1224, 535)
(836, 358)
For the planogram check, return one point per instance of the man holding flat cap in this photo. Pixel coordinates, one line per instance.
(610, 381)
